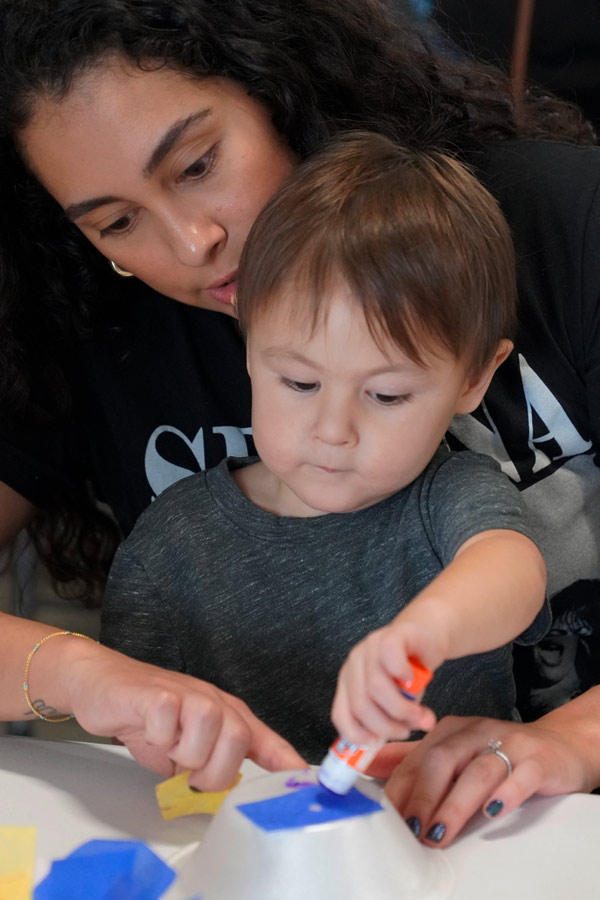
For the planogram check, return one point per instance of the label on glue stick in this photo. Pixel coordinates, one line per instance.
(344, 761)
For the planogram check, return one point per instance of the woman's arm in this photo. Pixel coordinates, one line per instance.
(444, 779)
(15, 513)
(169, 721)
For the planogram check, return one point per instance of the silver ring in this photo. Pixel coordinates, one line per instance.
(493, 747)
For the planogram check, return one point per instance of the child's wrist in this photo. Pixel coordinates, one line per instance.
(430, 626)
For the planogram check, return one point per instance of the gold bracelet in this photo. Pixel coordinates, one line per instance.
(26, 676)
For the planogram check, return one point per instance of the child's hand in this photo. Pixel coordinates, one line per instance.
(368, 704)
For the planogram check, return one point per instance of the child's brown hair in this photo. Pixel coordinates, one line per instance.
(422, 246)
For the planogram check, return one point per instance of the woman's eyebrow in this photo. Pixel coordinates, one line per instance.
(169, 139)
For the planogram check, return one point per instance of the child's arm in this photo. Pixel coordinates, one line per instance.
(487, 596)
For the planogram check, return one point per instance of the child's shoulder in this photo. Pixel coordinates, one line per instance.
(185, 498)
(449, 463)
(463, 494)
(466, 479)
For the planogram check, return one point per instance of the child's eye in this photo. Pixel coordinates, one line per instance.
(388, 399)
(119, 226)
(303, 387)
(200, 168)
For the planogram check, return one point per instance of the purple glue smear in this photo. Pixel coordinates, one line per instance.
(294, 783)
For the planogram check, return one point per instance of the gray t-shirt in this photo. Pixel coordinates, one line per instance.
(268, 607)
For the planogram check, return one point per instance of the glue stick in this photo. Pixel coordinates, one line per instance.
(345, 761)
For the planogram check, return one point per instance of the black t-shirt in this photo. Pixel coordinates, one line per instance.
(163, 396)
(541, 416)
(169, 395)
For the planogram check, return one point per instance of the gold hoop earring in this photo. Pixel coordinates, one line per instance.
(122, 272)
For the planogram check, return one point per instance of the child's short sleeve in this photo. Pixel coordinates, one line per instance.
(464, 494)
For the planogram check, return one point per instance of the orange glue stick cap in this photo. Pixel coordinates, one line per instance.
(419, 681)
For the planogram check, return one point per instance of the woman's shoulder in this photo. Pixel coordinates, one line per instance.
(518, 170)
(548, 192)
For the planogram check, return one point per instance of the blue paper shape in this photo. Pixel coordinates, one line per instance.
(107, 870)
(309, 806)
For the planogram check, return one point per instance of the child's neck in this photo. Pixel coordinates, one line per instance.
(266, 491)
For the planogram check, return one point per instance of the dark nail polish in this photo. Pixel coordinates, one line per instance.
(414, 824)
(436, 832)
(494, 807)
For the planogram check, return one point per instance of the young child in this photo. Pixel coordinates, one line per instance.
(376, 291)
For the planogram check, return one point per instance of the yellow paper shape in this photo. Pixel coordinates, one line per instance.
(176, 798)
(17, 860)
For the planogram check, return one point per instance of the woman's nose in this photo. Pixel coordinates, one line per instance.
(195, 241)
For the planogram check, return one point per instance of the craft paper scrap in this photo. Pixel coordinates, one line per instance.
(308, 806)
(105, 870)
(176, 798)
(17, 860)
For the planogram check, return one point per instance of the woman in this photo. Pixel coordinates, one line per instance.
(150, 135)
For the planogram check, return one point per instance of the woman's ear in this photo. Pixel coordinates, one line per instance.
(476, 387)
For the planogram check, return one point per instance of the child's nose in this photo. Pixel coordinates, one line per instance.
(336, 423)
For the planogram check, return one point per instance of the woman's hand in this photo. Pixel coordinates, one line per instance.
(170, 722)
(439, 783)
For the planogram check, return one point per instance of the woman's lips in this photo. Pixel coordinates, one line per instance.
(224, 291)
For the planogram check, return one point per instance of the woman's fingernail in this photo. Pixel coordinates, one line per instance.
(436, 832)
(414, 824)
(494, 807)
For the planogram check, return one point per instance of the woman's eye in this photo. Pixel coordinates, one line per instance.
(303, 387)
(389, 399)
(200, 168)
(119, 226)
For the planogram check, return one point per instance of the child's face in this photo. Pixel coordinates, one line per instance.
(339, 424)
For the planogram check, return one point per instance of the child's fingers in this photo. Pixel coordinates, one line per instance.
(384, 691)
(359, 718)
(376, 723)
(396, 722)
(343, 718)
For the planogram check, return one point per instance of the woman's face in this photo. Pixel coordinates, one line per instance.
(163, 173)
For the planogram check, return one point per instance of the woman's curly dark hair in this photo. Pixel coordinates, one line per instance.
(320, 66)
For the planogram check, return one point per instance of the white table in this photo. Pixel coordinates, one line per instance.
(74, 792)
